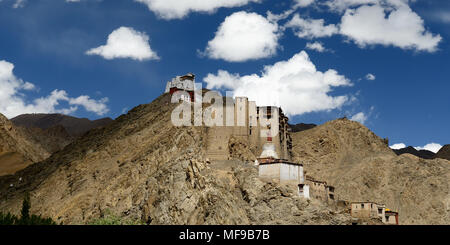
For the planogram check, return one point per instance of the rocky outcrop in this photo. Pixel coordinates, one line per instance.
(362, 168)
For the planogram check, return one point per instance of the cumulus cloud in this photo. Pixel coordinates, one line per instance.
(398, 146)
(434, 147)
(359, 117)
(295, 85)
(13, 102)
(244, 36)
(370, 77)
(311, 28)
(396, 25)
(176, 9)
(316, 46)
(125, 42)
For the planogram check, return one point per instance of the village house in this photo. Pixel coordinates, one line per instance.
(373, 210)
(364, 210)
(316, 189)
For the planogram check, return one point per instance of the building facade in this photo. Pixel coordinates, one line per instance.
(317, 189)
(280, 170)
(252, 124)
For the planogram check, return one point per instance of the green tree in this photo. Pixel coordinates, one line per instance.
(26, 218)
(26, 205)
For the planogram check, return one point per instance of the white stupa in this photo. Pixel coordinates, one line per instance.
(269, 151)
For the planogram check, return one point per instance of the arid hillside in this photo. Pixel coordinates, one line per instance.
(74, 126)
(362, 167)
(17, 150)
(141, 167)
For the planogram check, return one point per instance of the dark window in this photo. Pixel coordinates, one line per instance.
(362, 205)
(380, 211)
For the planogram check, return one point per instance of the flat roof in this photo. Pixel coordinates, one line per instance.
(271, 160)
(368, 202)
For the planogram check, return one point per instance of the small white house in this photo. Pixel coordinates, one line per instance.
(283, 171)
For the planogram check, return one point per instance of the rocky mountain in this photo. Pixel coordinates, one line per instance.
(301, 127)
(425, 154)
(141, 167)
(74, 126)
(363, 168)
(444, 152)
(16, 149)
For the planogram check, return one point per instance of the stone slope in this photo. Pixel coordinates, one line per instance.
(362, 167)
(51, 139)
(16, 149)
(74, 126)
(142, 167)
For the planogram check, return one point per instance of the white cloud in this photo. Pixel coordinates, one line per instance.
(398, 146)
(359, 117)
(396, 25)
(176, 9)
(295, 85)
(97, 106)
(316, 46)
(125, 42)
(311, 28)
(244, 36)
(434, 147)
(13, 102)
(303, 3)
(370, 77)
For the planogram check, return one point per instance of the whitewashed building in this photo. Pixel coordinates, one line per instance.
(281, 170)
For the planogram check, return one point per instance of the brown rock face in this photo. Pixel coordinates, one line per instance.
(141, 167)
(16, 149)
(362, 167)
(74, 126)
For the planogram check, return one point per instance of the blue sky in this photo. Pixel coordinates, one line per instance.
(48, 45)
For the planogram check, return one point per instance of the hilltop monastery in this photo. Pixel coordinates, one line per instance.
(252, 124)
